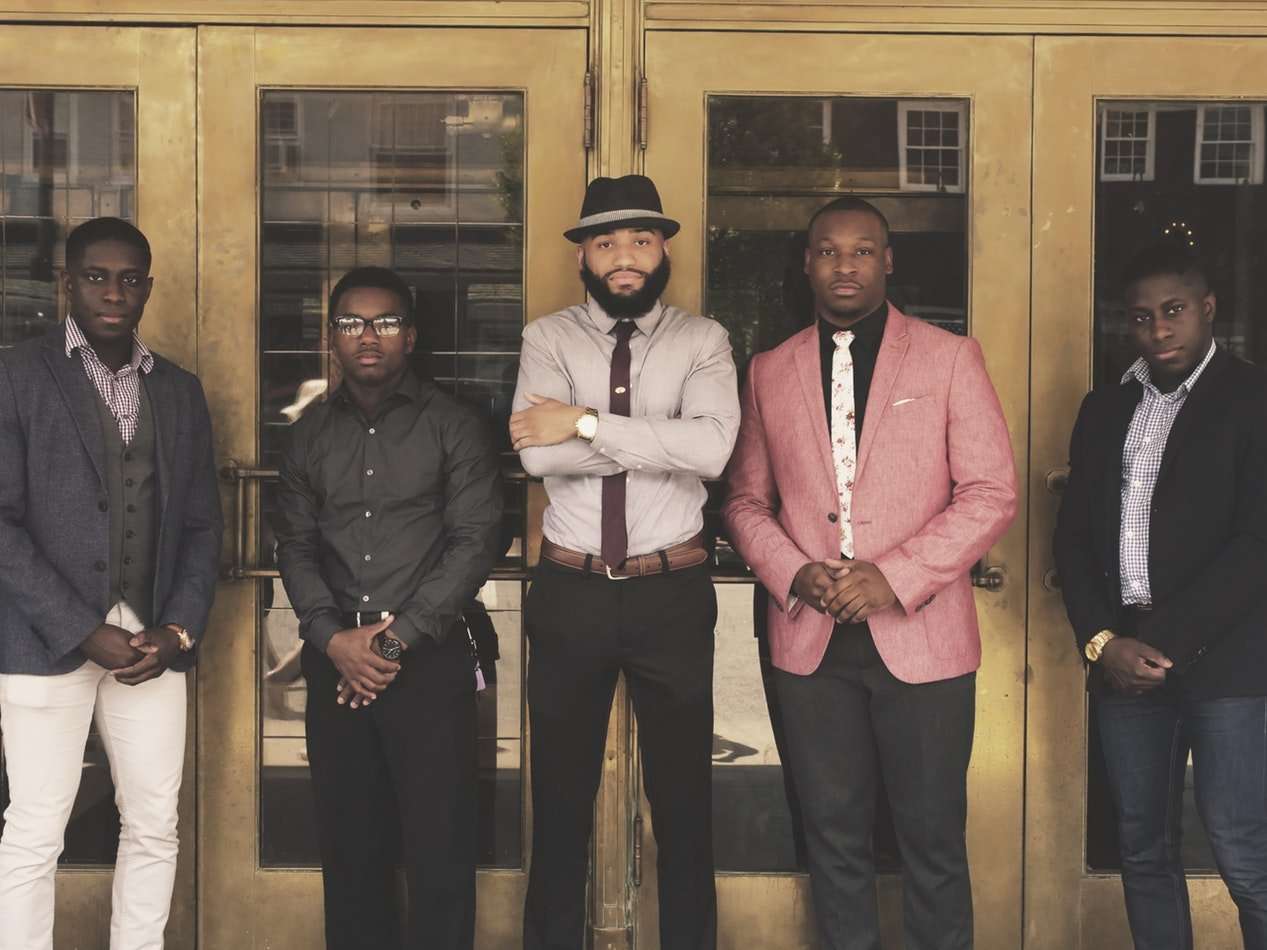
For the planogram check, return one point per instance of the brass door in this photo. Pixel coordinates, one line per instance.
(99, 122)
(1135, 141)
(746, 135)
(457, 157)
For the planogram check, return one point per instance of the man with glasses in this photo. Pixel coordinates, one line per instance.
(387, 522)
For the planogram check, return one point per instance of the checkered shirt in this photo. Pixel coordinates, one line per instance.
(1141, 461)
(122, 390)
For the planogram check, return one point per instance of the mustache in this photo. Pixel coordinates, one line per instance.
(625, 270)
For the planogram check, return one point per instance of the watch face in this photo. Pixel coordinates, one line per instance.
(390, 648)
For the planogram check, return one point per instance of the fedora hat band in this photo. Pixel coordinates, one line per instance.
(610, 217)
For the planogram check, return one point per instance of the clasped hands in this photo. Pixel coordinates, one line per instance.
(132, 658)
(1132, 666)
(545, 422)
(849, 590)
(363, 672)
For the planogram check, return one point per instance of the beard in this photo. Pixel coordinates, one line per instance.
(624, 306)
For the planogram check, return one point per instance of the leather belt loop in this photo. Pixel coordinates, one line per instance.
(664, 561)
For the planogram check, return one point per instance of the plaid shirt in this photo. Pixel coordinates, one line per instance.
(122, 390)
(1141, 461)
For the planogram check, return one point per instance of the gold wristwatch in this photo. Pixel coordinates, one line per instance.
(182, 636)
(1095, 646)
(587, 425)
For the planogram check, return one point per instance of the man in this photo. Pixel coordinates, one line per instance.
(1161, 547)
(109, 542)
(873, 469)
(387, 524)
(624, 405)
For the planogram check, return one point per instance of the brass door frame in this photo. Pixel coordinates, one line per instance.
(158, 65)
(235, 65)
(682, 68)
(1065, 906)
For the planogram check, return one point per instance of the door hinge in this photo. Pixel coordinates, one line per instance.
(637, 850)
(590, 132)
(642, 113)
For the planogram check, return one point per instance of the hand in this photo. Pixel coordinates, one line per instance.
(545, 422)
(108, 647)
(813, 581)
(1132, 666)
(354, 654)
(354, 697)
(858, 591)
(160, 645)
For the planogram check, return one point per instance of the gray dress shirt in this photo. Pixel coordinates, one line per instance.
(682, 426)
(1141, 461)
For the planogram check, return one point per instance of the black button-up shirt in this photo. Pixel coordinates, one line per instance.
(401, 512)
(867, 333)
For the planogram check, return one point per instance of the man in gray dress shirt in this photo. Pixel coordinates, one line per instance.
(623, 405)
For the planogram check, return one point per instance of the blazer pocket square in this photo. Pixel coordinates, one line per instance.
(903, 402)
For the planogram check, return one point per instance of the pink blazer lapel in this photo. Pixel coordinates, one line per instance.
(809, 369)
(887, 366)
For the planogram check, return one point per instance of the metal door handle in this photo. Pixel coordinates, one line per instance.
(240, 476)
(988, 578)
(1057, 480)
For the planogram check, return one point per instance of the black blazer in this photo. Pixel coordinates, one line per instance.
(54, 528)
(1207, 537)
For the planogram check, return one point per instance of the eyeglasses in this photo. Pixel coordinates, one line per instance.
(349, 324)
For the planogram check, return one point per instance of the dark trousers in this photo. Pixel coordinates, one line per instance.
(395, 784)
(1146, 742)
(850, 725)
(583, 631)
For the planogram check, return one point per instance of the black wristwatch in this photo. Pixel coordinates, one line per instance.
(388, 647)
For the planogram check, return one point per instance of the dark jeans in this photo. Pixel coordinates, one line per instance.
(850, 725)
(395, 783)
(1146, 743)
(583, 631)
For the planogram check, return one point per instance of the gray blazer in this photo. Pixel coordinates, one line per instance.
(53, 529)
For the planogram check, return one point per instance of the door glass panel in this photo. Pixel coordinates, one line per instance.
(431, 185)
(1188, 173)
(65, 156)
(772, 162)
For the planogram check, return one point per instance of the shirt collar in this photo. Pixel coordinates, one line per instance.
(142, 359)
(868, 331)
(1139, 371)
(410, 387)
(645, 324)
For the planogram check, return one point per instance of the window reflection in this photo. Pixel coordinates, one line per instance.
(431, 185)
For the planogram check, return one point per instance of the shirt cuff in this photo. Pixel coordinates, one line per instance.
(321, 628)
(405, 630)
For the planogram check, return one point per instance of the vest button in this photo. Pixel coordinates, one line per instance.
(102, 506)
(831, 516)
(128, 559)
(127, 456)
(128, 482)
(100, 565)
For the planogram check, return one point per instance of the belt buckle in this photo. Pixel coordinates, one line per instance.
(360, 622)
(614, 577)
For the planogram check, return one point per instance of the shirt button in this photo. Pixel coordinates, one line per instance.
(831, 516)
(1130, 534)
(369, 471)
(129, 533)
(372, 430)
(365, 598)
(368, 514)
(368, 558)
(1148, 438)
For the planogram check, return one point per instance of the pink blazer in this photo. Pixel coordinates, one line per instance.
(935, 488)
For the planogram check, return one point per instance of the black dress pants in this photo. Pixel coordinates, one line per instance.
(584, 630)
(850, 725)
(395, 783)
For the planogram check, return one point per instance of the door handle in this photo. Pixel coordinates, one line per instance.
(240, 477)
(1057, 480)
(988, 578)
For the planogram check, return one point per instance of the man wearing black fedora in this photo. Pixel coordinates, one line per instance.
(623, 406)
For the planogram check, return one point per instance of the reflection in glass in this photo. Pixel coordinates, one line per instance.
(1190, 173)
(431, 185)
(65, 156)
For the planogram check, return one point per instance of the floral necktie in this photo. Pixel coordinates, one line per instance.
(844, 434)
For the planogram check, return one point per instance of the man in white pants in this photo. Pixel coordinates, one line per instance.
(109, 540)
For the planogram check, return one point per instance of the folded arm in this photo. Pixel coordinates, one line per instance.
(983, 494)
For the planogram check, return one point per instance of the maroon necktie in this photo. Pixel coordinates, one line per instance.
(615, 533)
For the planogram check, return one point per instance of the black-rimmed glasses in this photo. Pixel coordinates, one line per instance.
(349, 324)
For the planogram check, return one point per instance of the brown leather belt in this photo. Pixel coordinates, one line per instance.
(690, 553)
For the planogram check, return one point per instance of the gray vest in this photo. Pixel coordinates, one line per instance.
(132, 490)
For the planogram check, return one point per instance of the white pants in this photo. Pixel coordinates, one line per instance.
(45, 723)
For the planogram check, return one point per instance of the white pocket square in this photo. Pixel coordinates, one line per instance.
(903, 402)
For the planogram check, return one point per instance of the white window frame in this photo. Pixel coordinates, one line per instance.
(1150, 148)
(959, 108)
(1255, 139)
(29, 171)
(284, 141)
(122, 163)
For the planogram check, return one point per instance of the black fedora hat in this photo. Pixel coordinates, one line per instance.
(629, 202)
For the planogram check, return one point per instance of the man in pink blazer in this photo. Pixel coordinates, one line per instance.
(873, 469)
